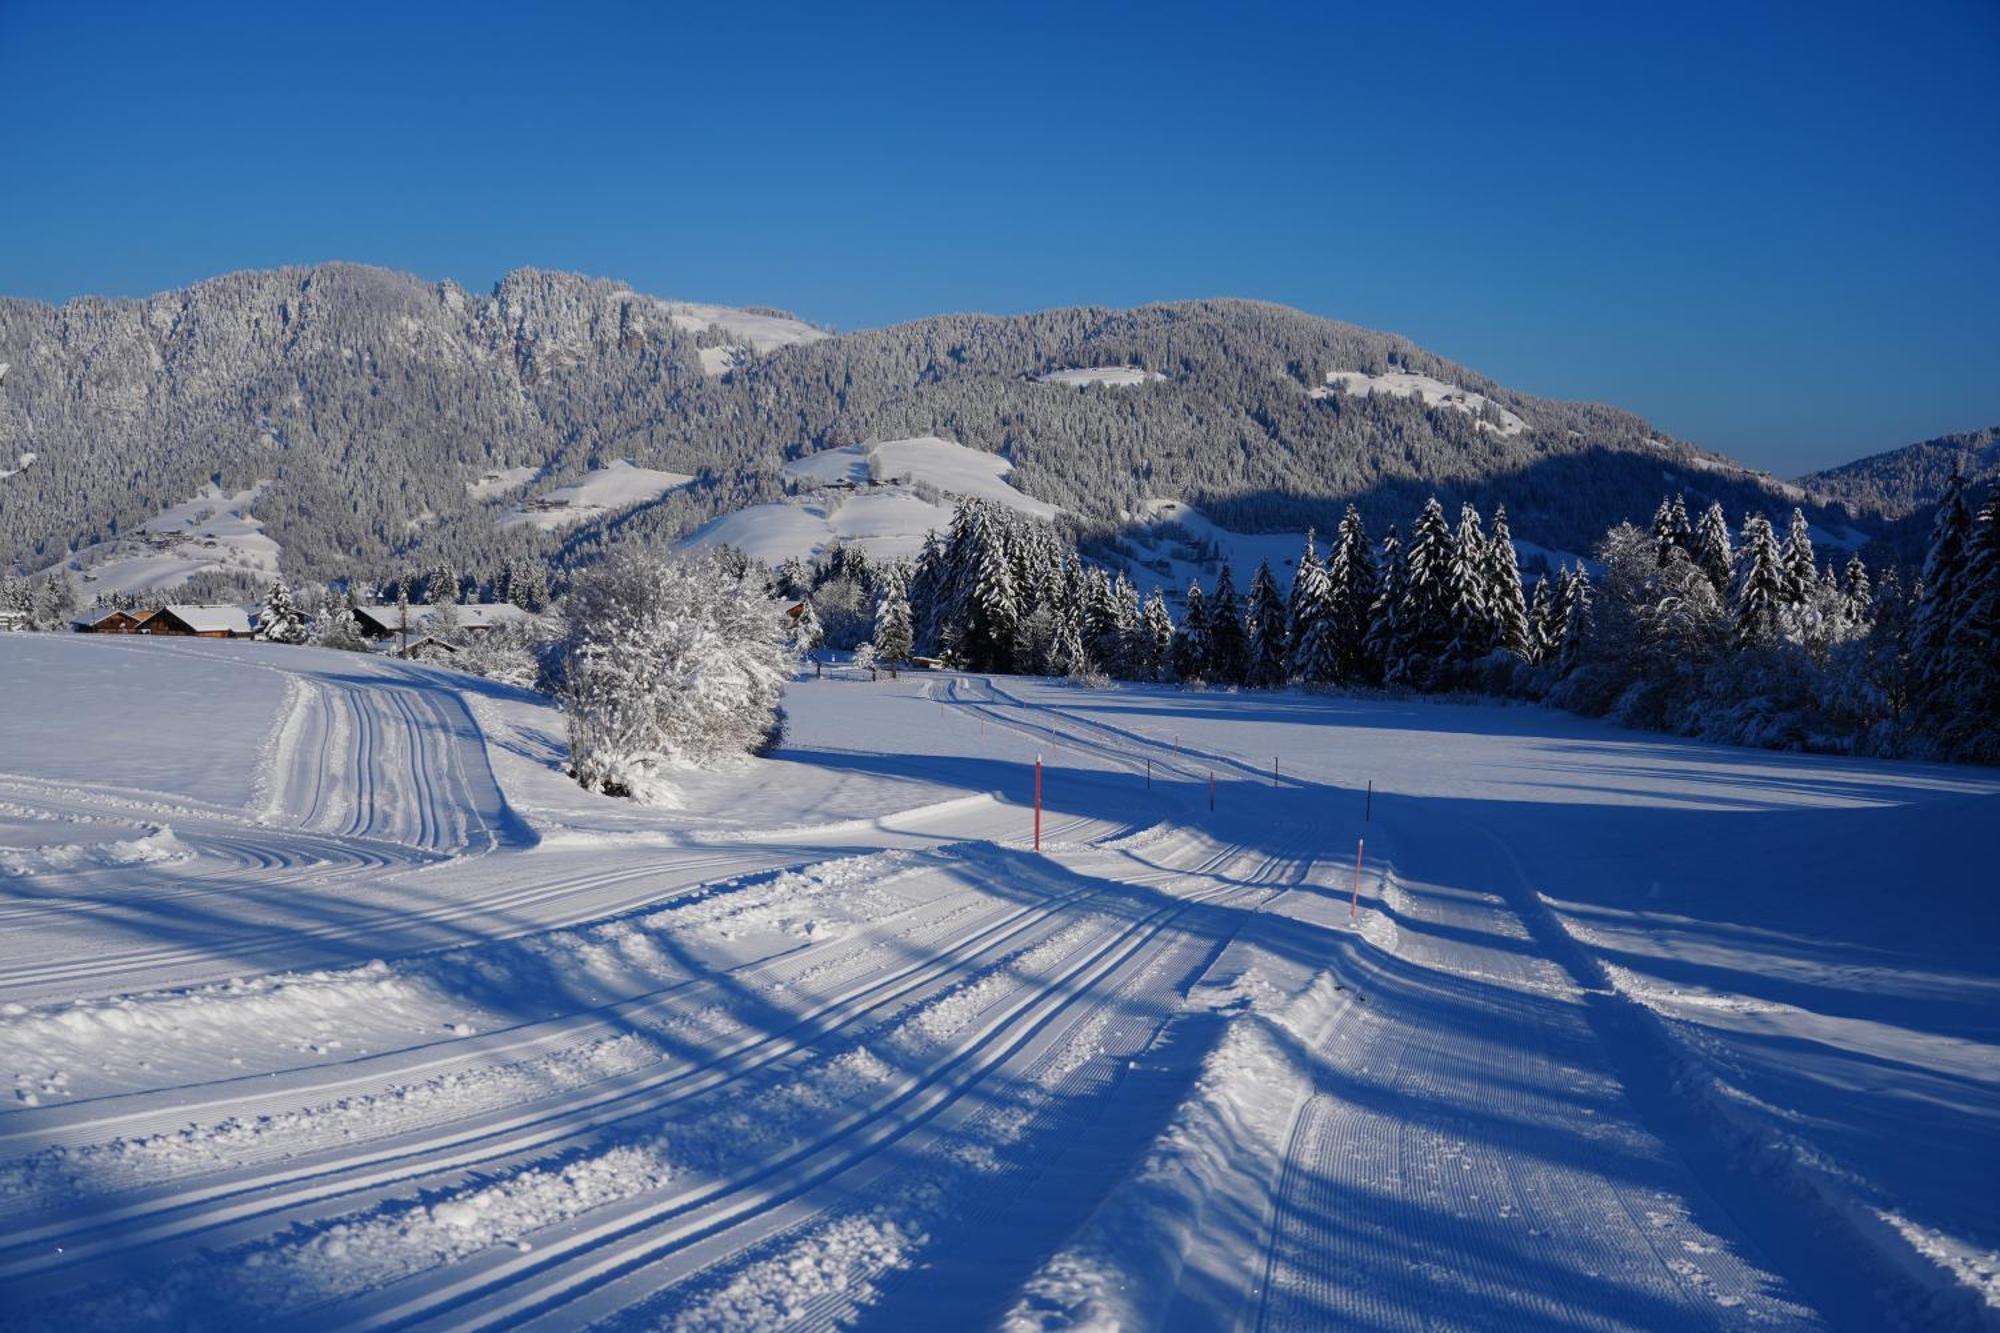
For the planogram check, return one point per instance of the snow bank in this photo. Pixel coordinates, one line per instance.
(157, 846)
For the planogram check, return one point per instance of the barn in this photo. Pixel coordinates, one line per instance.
(200, 622)
(113, 620)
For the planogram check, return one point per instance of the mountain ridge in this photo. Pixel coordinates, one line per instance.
(369, 404)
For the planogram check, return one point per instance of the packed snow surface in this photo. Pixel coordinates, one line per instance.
(327, 1000)
(1116, 376)
(1431, 392)
(606, 490)
(214, 531)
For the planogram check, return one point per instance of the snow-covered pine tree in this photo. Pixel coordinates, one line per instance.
(337, 628)
(1228, 643)
(990, 610)
(894, 638)
(1101, 638)
(528, 585)
(1712, 550)
(1311, 613)
(1191, 645)
(1471, 610)
(441, 585)
(279, 620)
(1682, 529)
(1972, 691)
(1575, 612)
(1132, 645)
(1760, 583)
(1942, 592)
(926, 576)
(1663, 530)
(1503, 588)
(1801, 564)
(1541, 622)
(1264, 617)
(1860, 595)
(1351, 592)
(1156, 632)
(1388, 631)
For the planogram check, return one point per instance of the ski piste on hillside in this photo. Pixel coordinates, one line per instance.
(325, 997)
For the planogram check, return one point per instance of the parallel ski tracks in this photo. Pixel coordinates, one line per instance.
(300, 1192)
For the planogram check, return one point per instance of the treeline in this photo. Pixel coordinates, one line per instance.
(1690, 627)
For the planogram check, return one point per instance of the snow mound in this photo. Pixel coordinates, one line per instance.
(1115, 376)
(1433, 392)
(213, 531)
(604, 490)
(157, 846)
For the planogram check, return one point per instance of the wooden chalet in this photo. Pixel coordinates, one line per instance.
(113, 620)
(182, 621)
(475, 618)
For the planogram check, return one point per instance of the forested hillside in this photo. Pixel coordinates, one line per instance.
(393, 421)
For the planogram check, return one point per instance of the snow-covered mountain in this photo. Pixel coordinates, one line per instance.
(383, 421)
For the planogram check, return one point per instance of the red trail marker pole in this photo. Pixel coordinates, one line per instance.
(1368, 811)
(1149, 772)
(1354, 903)
(1038, 803)
(1211, 789)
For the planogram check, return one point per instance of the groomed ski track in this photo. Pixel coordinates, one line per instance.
(890, 1066)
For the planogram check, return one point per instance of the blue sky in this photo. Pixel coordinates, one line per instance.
(1774, 229)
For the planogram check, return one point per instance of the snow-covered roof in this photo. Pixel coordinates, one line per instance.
(104, 613)
(472, 615)
(211, 619)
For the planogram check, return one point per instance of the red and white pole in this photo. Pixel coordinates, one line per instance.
(1038, 803)
(1354, 904)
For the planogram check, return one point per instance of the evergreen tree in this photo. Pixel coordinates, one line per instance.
(1760, 583)
(1191, 645)
(1663, 530)
(894, 638)
(1972, 690)
(1351, 595)
(1228, 644)
(1801, 565)
(1577, 615)
(1306, 604)
(990, 608)
(1712, 551)
(527, 585)
(280, 621)
(1943, 589)
(1388, 632)
(1314, 656)
(1133, 644)
(1855, 585)
(441, 585)
(1265, 619)
(1157, 633)
(926, 594)
(1471, 611)
(1101, 636)
(1541, 622)
(1503, 589)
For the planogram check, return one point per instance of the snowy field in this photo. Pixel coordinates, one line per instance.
(326, 1001)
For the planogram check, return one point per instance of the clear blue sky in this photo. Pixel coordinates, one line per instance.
(1776, 231)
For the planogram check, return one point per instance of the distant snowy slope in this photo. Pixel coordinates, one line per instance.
(618, 485)
(214, 532)
(1121, 377)
(954, 469)
(1431, 392)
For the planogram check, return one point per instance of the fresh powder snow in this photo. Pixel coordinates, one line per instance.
(328, 998)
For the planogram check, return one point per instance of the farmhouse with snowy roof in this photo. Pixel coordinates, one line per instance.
(386, 621)
(181, 620)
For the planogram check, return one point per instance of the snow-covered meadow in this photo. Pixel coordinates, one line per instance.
(325, 997)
